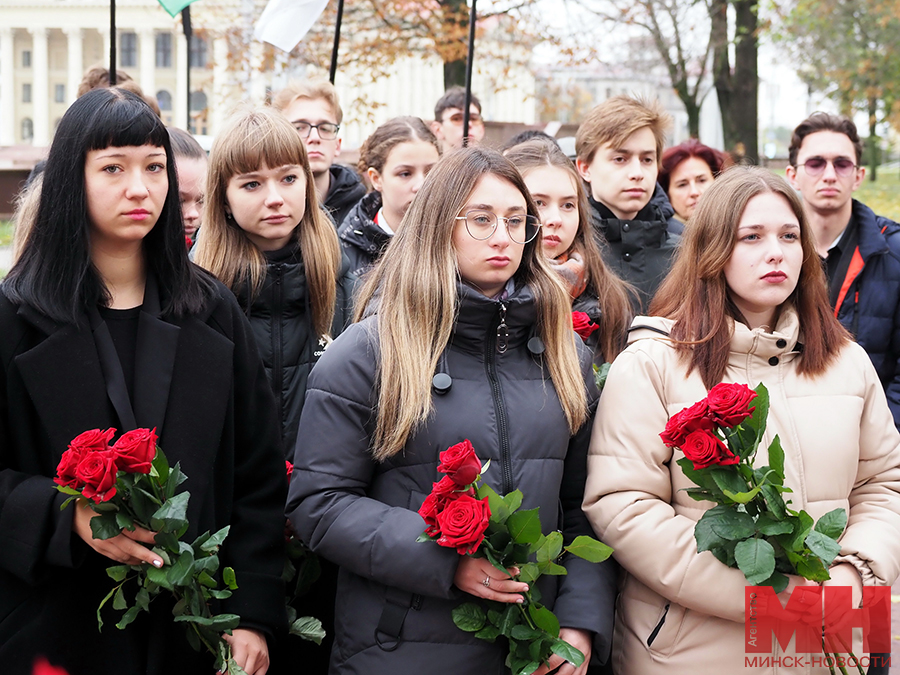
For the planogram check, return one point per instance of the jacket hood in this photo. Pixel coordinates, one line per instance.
(359, 229)
(346, 188)
(479, 317)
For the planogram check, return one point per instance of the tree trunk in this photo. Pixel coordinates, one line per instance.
(454, 74)
(455, 12)
(737, 91)
(745, 100)
(693, 113)
(872, 140)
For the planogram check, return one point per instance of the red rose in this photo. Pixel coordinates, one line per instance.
(460, 463)
(43, 667)
(583, 325)
(694, 418)
(729, 404)
(97, 471)
(83, 443)
(289, 469)
(135, 450)
(442, 493)
(705, 449)
(463, 523)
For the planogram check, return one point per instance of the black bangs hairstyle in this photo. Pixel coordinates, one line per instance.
(54, 273)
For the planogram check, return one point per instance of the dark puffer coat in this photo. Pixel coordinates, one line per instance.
(640, 250)
(281, 318)
(362, 514)
(345, 190)
(362, 240)
(870, 309)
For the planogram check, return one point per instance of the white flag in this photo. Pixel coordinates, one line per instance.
(283, 23)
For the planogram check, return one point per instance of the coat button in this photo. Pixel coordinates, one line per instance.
(626, 227)
(773, 361)
(626, 257)
(781, 343)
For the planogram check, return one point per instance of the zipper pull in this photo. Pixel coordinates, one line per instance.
(502, 331)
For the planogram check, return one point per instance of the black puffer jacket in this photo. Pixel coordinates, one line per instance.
(639, 250)
(362, 240)
(345, 190)
(362, 515)
(281, 318)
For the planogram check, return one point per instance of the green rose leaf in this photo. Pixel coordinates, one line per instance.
(509, 617)
(823, 546)
(589, 549)
(124, 521)
(159, 467)
(832, 524)
(567, 651)
(722, 523)
(309, 628)
(524, 632)
(777, 581)
(699, 494)
(229, 578)
(119, 599)
(813, 569)
(551, 548)
(528, 668)
(130, 616)
(776, 460)
(803, 525)
(159, 577)
(513, 500)
(488, 633)
(529, 572)
(774, 501)
(701, 477)
(525, 526)
(469, 617)
(215, 540)
(118, 572)
(756, 559)
(728, 478)
(105, 526)
(600, 374)
(544, 619)
(742, 497)
(767, 525)
(172, 515)
(181, 572)
(218, 623)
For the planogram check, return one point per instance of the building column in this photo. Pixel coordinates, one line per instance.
(75, 42)
(180, 105)
(147, 46)
(7, 88)
(257, 75)
(104, 57)
(217, 106)
(40, 88)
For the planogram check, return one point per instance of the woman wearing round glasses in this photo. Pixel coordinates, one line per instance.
(464, 333)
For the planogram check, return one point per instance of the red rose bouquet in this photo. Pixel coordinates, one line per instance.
(130, 484)
(583, 325)
(463, 513)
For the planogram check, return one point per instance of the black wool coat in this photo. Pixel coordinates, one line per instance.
(200, 382)
(395, 595)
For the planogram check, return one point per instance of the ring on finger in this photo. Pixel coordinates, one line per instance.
(487, 582)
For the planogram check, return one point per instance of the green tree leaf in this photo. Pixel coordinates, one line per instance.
(309, 628)
(832, 524)
(589, 549)
(525, 526)
(756, 559)
(469, 617)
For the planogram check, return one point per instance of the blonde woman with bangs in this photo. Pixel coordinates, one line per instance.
(267, 240)
(746, 302)
(464, 332)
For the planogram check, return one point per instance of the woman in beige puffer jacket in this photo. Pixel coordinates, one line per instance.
(747, 279)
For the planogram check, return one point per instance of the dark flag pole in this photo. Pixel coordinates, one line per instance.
(188, 31)
(337, 41)
(112, 43)
(469, 58)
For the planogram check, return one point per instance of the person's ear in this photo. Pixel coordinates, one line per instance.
(437, 130)
(374, 178)
(860, 177)
(790, 172)
(337, 147)
(584, 169)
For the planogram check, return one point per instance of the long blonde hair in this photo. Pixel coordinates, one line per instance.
(414, 288)
(613, 294)
(249, 140)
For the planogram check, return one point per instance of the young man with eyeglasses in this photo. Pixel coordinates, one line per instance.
(448, 119)
(312, 107)
(860, 250)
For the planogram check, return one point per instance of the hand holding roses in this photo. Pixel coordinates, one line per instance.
(124, 548)
(472, 572)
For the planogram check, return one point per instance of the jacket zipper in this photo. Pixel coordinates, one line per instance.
(498, 344)
(277, 337)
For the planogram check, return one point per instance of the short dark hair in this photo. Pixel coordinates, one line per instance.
(528, 135)
(454, 97)
(823, 121)
(185, 145)
(54, 273)
(672, 157)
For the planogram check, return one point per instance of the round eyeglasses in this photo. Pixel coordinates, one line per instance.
(482, 224)
(326, 130)
(843, 166)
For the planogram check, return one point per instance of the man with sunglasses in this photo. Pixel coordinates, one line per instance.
(860, 250)
(448, 119)
(312, 107)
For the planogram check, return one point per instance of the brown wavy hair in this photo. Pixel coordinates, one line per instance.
(695, 293)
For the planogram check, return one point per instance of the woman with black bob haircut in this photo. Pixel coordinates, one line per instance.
(104, 323)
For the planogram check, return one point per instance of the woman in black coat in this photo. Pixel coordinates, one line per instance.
(469, 297)
(105, 323)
